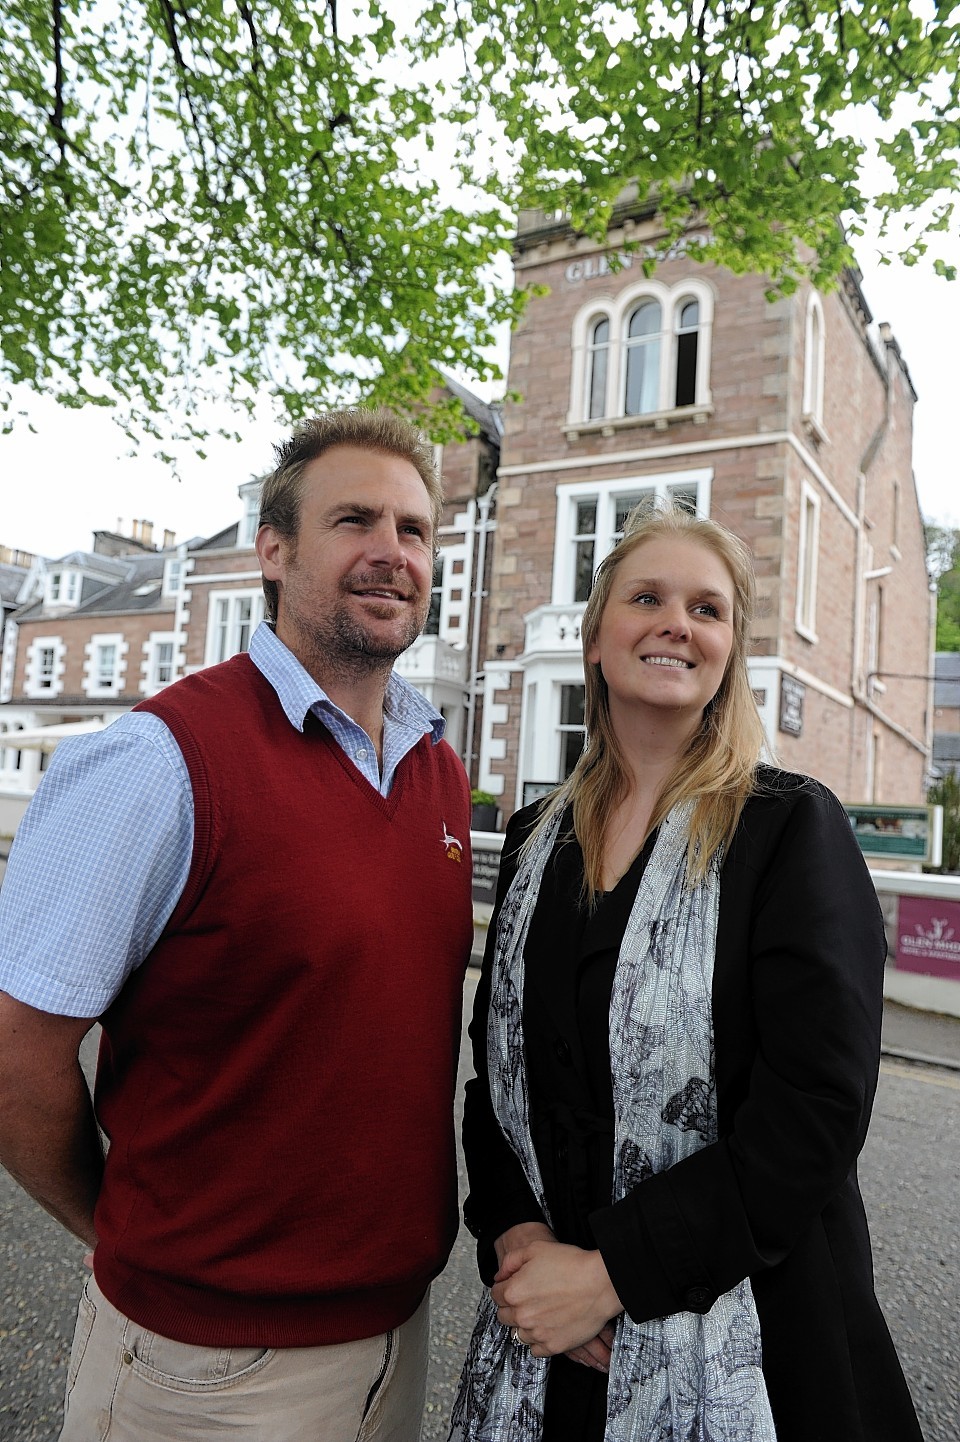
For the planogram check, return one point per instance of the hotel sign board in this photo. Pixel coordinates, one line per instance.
(928, 936)
(898, 833)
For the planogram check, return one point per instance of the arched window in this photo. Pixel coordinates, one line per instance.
(642, 393)
(688, 335)
(598, 356)
(813, 361)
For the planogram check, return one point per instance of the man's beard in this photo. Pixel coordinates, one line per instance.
(344, 644)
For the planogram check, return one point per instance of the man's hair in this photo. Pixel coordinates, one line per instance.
(281, 496)
(718, 769)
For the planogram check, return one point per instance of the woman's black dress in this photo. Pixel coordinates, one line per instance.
(566, 1005)
(750, 1208)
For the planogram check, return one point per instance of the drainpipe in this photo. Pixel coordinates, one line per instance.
(858, 686)
(483, 526)
(931, 651)
(866, 461)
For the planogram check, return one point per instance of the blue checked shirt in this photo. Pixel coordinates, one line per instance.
(103, 853)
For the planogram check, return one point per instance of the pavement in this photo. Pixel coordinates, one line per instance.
(922, 1036)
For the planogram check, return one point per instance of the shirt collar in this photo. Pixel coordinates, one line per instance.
(298, 693)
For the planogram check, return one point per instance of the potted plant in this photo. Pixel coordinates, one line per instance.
(484, 814)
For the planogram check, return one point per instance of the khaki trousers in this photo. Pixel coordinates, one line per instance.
(126, 1384)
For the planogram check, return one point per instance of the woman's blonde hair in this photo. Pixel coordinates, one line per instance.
(717, 769)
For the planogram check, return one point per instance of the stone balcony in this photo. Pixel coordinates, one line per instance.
(553, 631)
(430, 660)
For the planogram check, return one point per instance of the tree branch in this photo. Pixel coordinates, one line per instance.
(56, 119)
(170, 21)
(247, 16)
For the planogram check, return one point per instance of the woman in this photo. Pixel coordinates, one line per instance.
(676, 1043)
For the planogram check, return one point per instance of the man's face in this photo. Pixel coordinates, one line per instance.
(355, 584)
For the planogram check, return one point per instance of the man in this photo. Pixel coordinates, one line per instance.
(259, 882)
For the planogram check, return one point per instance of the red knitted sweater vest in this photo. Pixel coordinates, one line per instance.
(277, 1078)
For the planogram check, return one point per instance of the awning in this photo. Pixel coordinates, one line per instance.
(47, 738)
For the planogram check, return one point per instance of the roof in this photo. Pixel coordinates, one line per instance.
(11, 579)
(94, 561)
(138, 586)
(486, 416)
(221, 541)
(946, 749)
(946, 669)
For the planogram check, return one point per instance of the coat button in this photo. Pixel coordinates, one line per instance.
(563, 1052)
(699, 1299)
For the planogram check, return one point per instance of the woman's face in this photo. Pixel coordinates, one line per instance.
(666, 632)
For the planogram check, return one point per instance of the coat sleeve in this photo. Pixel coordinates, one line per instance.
(499, 1196)
(814, 948)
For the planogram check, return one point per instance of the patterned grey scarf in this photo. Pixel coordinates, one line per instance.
(682, 1378)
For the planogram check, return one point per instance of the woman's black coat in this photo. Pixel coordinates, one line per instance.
(797, 1003)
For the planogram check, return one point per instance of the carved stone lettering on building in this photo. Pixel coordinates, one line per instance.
(594, 266)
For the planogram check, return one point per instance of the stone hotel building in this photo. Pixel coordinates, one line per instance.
(790, 422)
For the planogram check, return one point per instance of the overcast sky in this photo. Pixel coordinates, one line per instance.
(72, 477)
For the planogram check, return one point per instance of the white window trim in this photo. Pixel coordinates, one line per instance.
(150, 685)
(560, 728)
(250, 520)
(805, 619)
(8, 756)
(232, 596)
(173, 567)
(31, 680)
(8, 665)
(539, 743)
(814, 361)
(607, 493)
(617, 311)
(91, 685)
(593, 319)
(455, 635)
(69, 588)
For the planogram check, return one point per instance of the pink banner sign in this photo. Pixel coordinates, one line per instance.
(928, 936)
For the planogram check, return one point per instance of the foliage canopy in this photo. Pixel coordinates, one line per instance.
(209, 197)
(946, 793)
(943, 559)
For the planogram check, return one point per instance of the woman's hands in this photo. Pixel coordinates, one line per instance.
(559, 1298)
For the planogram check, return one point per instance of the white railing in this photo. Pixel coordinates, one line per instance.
(430, 659)
(550, 629)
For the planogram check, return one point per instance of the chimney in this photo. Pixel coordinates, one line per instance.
(146, 532)
(169, 540)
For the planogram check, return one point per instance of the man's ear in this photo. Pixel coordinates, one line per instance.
(270, 547)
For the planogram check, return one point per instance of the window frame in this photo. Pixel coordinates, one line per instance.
(249, 521)
(62, 587)
(680, 334)
(93, 683)
(232, 598)
(808, 563)
(152, 682)
(642, 345)
(563, 728)
(173, 574)
(617, 311)
(45, 677)
(594, 350)
(814, 361)
(33, 677)
(607, 493)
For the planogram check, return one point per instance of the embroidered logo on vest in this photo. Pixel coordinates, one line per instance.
(450, 844)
